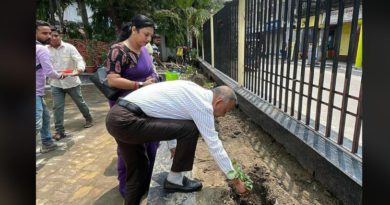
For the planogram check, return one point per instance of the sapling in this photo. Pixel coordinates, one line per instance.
(239, 174)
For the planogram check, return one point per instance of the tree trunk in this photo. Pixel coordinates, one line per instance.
(84, 17)
(51, 12)
(197, 47)
(113, 13)
(188, 35)
(60, 13)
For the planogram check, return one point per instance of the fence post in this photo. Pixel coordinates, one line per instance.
(202, 42)
(212, 38)
(197, 47)
(241, 41)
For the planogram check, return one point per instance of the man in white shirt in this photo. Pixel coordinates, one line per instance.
(65, 56)
(167, 111)
(156, 52)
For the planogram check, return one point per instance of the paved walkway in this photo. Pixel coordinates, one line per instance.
(83, 169)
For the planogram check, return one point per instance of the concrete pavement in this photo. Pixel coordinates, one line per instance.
(83, 169)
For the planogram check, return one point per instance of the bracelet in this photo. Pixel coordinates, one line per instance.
(136, 85)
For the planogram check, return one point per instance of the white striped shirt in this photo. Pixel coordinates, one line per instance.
(184, 100)
(66, 56)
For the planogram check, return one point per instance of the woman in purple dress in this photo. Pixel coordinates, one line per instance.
(129, 67)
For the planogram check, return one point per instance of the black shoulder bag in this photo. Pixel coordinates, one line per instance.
(99, 78)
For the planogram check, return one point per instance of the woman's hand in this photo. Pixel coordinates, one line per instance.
(149, 81)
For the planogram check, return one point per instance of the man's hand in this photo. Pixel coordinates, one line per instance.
(67, 74)
(173, 151)
(62, 75)
(79, 70)
(239, 186)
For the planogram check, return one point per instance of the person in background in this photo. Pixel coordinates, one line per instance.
(43, 69)
(65, 56)
(179, 55)
(156, 52)
(149, 48)
(171, 110)
(130, 67)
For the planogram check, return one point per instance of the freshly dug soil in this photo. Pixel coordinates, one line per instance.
(278, 178)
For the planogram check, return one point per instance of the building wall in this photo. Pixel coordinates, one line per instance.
(345, 34)
(71, 13)
(166, 51)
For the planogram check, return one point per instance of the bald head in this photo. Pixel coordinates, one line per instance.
(224, 100)
(226, 93)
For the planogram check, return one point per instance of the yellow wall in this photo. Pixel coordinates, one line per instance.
(359, 55)
(346, 32)
(311, 23)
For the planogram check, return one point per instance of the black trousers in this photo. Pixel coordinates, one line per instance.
(131, 128)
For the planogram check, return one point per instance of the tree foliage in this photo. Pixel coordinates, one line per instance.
(109, 15)
(47, 9)
(178, 20)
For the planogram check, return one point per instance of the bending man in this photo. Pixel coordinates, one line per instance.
(166, 111)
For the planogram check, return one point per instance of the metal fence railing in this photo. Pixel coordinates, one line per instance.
(225, 39)
(207, 41)
(300, 57)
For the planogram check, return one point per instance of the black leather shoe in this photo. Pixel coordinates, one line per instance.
(188, 186)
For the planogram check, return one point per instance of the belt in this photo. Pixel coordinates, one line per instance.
(131, 107)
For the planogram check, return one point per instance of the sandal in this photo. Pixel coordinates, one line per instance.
(59, 136)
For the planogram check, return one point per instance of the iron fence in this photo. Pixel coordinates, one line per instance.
(225, 39)
(207, 41)
(299, 56)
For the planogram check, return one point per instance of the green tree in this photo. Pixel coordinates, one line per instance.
(42, 10)
(118, 11)
(180, 20)
(47, 9)
(82, 6)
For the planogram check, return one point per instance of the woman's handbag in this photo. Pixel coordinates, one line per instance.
(99, 78)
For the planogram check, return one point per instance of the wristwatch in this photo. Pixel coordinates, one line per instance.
(141, 84)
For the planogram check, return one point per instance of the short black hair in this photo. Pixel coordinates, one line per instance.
(139, 21)
(53, 28)
(156, 35)
(39, 23)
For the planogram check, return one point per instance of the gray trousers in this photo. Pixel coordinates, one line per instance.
(58, 95)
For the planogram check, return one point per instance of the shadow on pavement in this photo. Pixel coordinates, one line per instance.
(110, 197)
(111, 170)
(63, 146)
